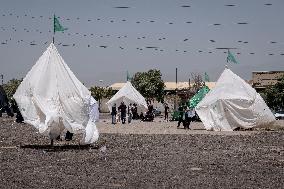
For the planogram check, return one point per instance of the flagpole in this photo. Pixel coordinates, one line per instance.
(53, 29)
(226, 65)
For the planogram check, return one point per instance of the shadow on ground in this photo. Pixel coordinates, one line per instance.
(50, 148)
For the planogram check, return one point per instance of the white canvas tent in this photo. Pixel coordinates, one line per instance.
(52, 99)
(128, 94)
(233, 103)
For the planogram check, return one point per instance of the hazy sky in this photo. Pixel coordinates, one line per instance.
(181, 34)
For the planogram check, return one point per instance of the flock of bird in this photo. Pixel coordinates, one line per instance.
(10, 29)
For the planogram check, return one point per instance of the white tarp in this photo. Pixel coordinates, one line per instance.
(128, 94)
(52, 99)
(233, 103)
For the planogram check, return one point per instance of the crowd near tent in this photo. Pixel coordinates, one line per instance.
(127, 94)
(198, 97)
(53, 100)
(233, 103)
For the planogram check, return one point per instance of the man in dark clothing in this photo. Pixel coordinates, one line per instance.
(134, 112)
(4, 103)
(150, 108)
(122, 108)
(180, 117)
(15, 108)
(113, 114)
(166, 112)
(141, 116)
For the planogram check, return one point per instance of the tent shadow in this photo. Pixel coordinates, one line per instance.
(49, 148)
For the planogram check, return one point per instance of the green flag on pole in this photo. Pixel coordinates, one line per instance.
(206, 77)
(231, 58)
(57, 26)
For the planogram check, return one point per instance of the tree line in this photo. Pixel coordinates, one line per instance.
(152, 87)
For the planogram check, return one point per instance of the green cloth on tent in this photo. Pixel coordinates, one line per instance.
(192, 103)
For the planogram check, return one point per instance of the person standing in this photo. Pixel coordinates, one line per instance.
(129, 112)
(167, 112)
(122, 108)
(134, 112)
(187, 118)
(180, 117)
(113, 114)
(191, 114)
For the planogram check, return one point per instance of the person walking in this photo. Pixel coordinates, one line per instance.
(113, 114)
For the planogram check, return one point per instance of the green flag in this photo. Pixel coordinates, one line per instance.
(57, 26)
(192, 103)
(206, 77)
(231, 58)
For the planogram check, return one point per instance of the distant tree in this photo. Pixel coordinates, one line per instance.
(97, 92)
(186, 93)
(108, 92)
(11, 86)
(274, 95)
(149, 84)
(100, 92)
(198, 82)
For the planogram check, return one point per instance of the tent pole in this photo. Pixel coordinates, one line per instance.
(53, 29)
(51, 142)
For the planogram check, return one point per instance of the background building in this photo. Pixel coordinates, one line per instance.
(263, 79)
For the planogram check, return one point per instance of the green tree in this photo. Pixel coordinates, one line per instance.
(100, 92)
(274, 95)
(11, 86)
(149, 84)
(97, 92)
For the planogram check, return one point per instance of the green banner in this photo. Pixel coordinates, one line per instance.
(192, 103)
(231, 58)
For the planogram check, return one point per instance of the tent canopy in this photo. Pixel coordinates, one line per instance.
(198, 97)
(127, 94)
(233, 103)
(52, 99)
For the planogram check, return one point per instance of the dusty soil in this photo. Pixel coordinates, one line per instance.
(167, 159)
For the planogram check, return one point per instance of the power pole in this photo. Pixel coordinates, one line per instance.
(175, 104)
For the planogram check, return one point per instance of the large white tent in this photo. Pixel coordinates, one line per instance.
(52, 99)
(127, 94)
(233, 103)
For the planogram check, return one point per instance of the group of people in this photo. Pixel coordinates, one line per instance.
(11, 110)
(186, 115)
(122, 112)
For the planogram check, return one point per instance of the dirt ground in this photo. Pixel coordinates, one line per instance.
(142, 155)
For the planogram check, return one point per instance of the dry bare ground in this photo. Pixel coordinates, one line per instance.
(142, 155)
